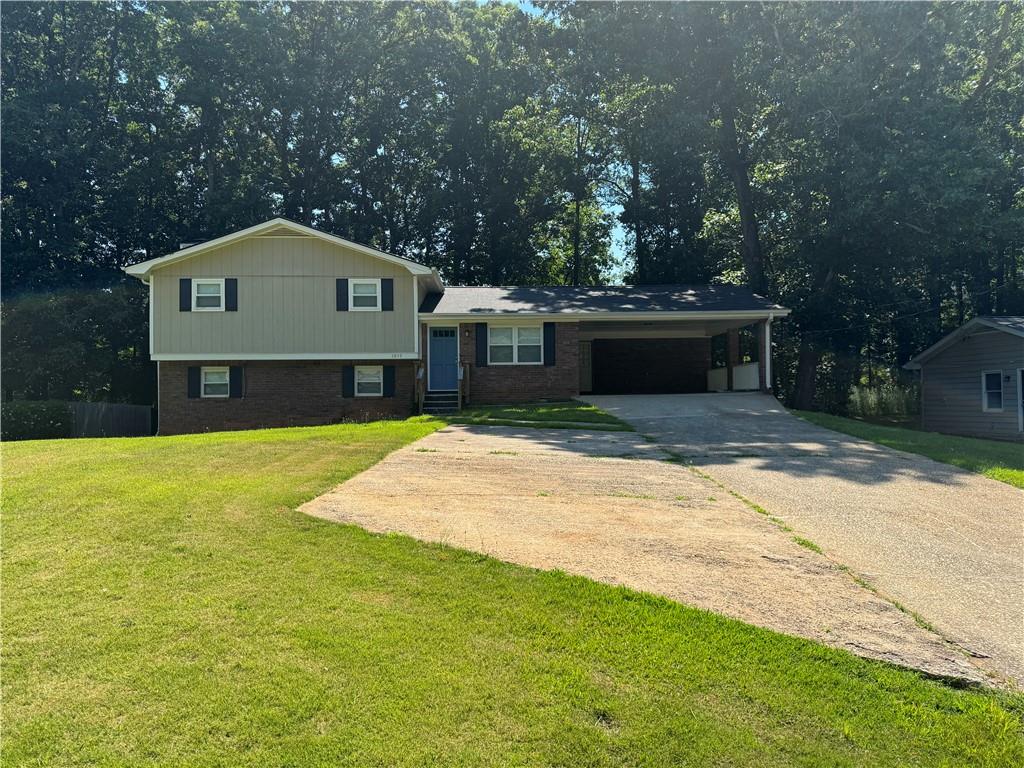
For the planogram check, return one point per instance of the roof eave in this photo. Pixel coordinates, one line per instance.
(743, 314)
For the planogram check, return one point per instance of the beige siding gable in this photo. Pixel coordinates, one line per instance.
(286, 303)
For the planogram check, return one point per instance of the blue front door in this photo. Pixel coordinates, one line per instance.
(443, 359)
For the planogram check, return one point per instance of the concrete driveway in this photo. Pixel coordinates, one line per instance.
(946, 543)
(607, 505)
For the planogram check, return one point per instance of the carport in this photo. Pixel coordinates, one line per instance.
(706, 354)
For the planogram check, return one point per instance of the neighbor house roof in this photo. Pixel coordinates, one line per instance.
(602, 300)
(1013, 324)
(144, 268)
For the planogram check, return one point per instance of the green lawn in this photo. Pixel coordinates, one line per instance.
(993, 458)
(165, 605)
(568, 414)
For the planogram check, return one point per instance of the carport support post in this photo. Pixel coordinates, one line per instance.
(764, 346)
(732, 351)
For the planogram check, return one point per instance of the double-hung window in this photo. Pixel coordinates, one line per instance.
(515, 345)
(992, 391)
(215, 382)
(364, 295)
(369, 381)
(207, 295)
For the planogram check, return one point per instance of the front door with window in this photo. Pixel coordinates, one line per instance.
(443, 359)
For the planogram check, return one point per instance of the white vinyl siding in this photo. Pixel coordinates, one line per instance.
(215, 382)
(289, 285)
(369, 381)
(515, 345)
(991, 391)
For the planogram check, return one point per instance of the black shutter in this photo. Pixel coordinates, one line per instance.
(387, 294)
(481, 345)
(341, 289)
(193, 381)
(549, 343)
(389, 381)
(236, 381)
(185, 294)
(348, 381)
(231, 294)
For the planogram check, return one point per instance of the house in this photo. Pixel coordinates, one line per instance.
(281, 324)
(972, 380)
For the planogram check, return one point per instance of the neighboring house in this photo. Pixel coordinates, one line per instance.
(972, 381)
(281, 324)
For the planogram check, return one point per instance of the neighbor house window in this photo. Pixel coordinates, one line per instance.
(208, 295)
(515, 345)
(992, 391)
(369, 381)
(364, 295)
(216, 382)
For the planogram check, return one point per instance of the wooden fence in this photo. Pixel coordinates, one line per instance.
(111, 420)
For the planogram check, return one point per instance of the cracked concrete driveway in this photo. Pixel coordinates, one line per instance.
(946, 543)
(606, 505)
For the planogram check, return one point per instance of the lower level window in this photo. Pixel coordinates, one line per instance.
(369, 381)
(514, 345)
(992, 391)
(216, 382)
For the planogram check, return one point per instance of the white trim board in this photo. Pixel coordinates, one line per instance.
(591, 316)
(200, 356)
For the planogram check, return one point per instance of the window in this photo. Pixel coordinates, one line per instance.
(512, 346)
(364, 295)
(369, 381)
(992, 391)
(215, 382)
(207, 295)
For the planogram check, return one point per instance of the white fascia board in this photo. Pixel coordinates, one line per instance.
(179, 357)
(145, 267)
(592, 316)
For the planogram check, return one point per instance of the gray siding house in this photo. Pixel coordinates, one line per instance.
(281, 324)
(972, 381)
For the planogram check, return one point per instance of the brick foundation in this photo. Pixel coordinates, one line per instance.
(283, 393)
(498, 384)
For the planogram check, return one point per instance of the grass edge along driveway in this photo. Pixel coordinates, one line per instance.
(996, 459)
(165, 603)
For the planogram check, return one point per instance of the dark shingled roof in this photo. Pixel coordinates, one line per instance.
(560, 299)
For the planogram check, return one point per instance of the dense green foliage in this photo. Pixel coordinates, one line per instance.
(1000, 460)
(859, 162)
(164, 604)
(35, 420)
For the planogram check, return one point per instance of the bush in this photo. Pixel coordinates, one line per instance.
(35, 420)
(884, 400)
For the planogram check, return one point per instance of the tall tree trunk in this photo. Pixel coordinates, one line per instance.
(738, 168)
(576, 224)
(806, 373)
(640, 245)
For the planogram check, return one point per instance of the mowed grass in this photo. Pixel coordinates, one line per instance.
(1003, 461)
(568, 414)
(165, 605)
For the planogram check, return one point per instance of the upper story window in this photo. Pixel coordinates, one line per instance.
(364, 295)
(207, 295)
(515, 345)
(992, 391)
(216, 382)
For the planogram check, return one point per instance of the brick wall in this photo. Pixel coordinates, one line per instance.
(650, 366)
(278, 394)
(524, 383)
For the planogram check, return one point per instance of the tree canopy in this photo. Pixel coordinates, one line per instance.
(861, 163)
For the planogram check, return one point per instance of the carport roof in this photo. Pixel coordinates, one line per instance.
(619, 299)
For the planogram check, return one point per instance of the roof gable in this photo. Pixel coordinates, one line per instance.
(1011, 324)
(276, 228)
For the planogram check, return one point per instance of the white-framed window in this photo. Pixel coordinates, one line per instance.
(369, 381)
(215, 382)
(364, 294)
(991, 390)
(207, 295)
(515, 345)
